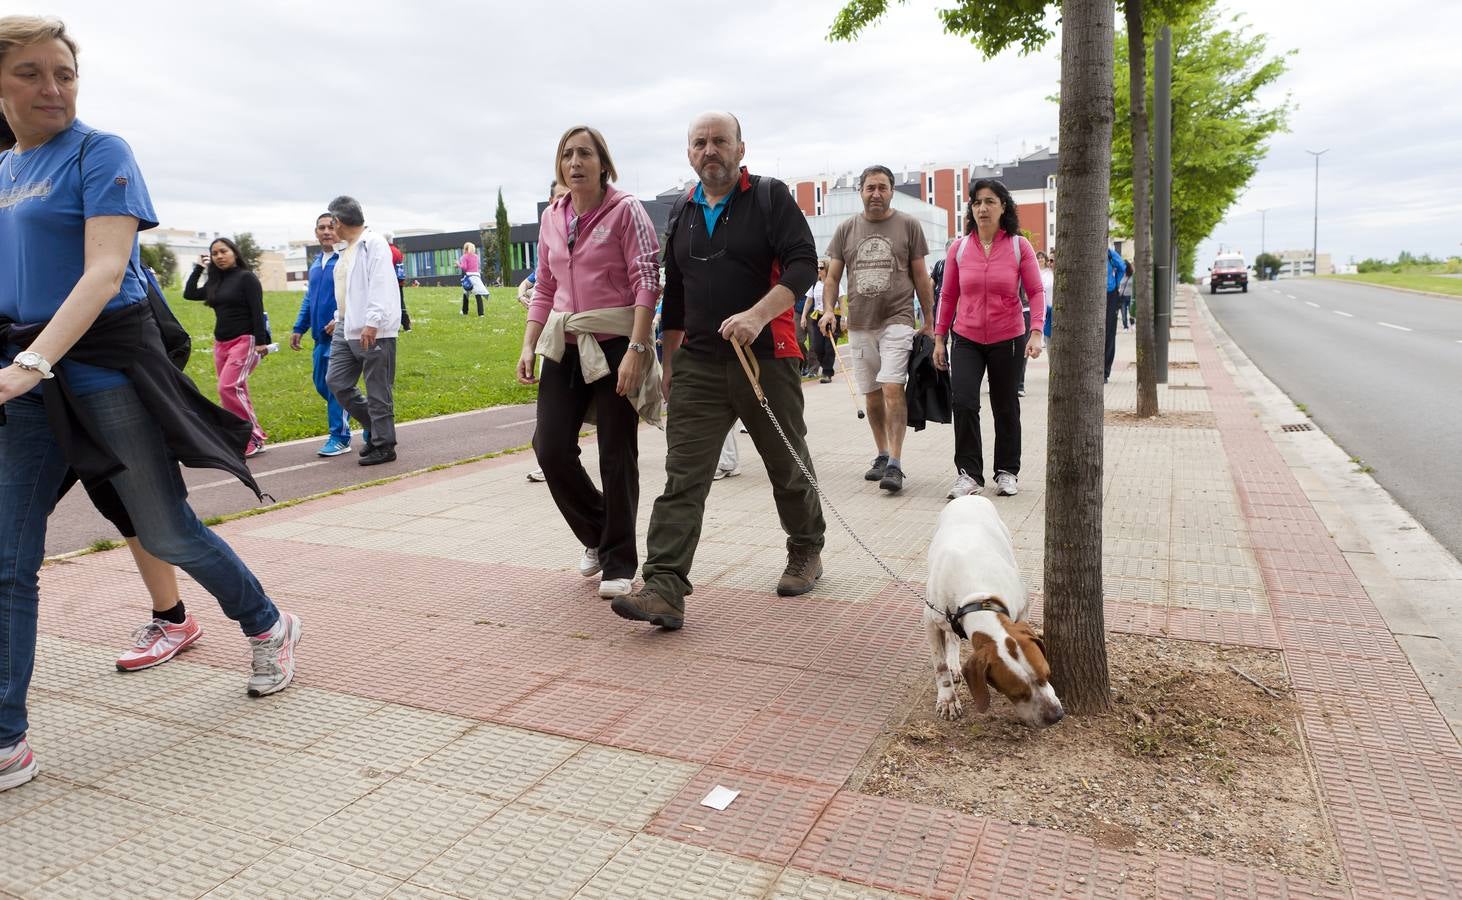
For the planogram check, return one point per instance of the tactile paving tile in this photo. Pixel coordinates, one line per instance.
(1386, 783)
(839, 698)
(767, 821)
(410, 734)
(64, 833)
(798, 746)
(409, 891)
(175, 855)
(522, 852)
(793, 884)
(288, 873)
(1223, 628)
(497, 761)
(666, 870)
(300, 716)
(681, 729)
(1193, 878)
(206, 771)
(1324, 637)
(574, 709)
(1237, 599)
(42, 790)
(1401, 725)
(1328, 673)
(891, 844)
(613, 787)
(399, 827)
(317, 787)
(1014, 861)
(63, 665)
(1397, 856)
(1336, 610)
(82, 743)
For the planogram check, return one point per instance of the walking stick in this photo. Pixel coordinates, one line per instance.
(847, 377)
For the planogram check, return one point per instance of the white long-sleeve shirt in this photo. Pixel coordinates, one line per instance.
(365, 288)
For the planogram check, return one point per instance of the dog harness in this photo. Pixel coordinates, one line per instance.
(956, 618)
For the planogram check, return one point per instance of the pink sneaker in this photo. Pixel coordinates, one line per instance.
(17, 765)
(157, 642)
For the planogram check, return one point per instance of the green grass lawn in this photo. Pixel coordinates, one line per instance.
(445, 364)
(1437, 284)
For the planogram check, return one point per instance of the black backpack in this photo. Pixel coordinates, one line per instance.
(762, 189)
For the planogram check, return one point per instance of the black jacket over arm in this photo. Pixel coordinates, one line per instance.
(198, 432)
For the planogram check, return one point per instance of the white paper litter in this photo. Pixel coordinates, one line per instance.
(720, 797)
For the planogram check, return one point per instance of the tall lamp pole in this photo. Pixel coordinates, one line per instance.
(1315, 247)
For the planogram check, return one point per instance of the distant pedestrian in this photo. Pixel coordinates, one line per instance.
(1048, 283)
(317, 316)
(1116, 269)
(240, 333)
(822, 347)
(363, 343)
(592, 321)
(738, 255)
(470, 264)
(980, 317)
(398, 262)
(883, 251)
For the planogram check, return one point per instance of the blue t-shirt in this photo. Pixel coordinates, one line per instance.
(45, 200)
(712, 213)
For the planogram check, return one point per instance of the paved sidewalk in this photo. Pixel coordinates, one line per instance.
(470, 719)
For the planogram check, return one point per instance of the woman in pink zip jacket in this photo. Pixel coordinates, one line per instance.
(981, 318)
(598, 279)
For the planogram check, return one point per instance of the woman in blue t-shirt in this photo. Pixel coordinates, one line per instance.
(71, 203)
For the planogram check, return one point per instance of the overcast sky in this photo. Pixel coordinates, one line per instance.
(251, 116)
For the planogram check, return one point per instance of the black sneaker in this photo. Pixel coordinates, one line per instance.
(893, 479)
(826, 379)
(366, 448)
(876, 472)
(377, 456)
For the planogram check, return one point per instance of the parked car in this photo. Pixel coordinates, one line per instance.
(1228, 271)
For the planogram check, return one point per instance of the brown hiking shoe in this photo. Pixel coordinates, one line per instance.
(645, 605)
(804, 567)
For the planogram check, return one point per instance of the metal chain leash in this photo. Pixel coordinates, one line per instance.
(753, 372)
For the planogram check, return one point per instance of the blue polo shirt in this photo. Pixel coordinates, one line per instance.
(712, 213)
(45, 200)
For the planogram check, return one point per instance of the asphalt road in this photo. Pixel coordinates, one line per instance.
(1379, 370)
(292, 470)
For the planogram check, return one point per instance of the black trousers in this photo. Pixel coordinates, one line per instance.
(824, 349)
(1114, 303)
(1026, 311)
(466, 295)
(601, 519)
(968, 362)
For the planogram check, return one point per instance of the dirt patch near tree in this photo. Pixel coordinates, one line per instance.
(1192, 759)
(1167, 419)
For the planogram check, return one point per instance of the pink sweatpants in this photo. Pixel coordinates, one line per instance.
(234, 361)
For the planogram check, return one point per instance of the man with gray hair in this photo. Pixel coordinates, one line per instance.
(367, 318)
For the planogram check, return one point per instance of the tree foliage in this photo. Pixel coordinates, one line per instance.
(249, 249)
(1023, 25)
(1220, 129)
(1266, 264)
(161, 259)
(504, 240)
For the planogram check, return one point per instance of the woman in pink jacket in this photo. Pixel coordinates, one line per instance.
(598, 254)
(981, 318)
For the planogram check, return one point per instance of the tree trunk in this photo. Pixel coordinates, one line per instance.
(1141, 214)
(1075, 630)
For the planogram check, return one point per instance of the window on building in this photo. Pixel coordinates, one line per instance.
(1050, 206)
(929, 186)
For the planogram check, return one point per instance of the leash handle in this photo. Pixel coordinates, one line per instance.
(751, 367)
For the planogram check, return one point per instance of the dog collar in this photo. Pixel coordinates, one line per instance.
(956, 618)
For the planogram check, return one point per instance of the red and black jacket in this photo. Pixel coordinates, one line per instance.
(709, 278)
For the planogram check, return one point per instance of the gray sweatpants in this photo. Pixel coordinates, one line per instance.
(375, 410)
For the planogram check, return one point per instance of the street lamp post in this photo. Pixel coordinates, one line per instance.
(1315, 245)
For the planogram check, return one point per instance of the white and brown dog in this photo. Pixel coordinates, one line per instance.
(975, 590)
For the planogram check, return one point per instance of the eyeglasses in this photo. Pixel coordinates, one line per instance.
(710, 239)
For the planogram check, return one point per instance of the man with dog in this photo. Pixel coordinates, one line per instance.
(731, 238)
(883, 252)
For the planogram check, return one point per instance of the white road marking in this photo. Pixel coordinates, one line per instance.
(258, 475)
(1389, 325)
(517, 423)
(1291, 296)
(1341, 312)
(1311, 303)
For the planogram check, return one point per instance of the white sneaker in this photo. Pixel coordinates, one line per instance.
(726, 473)
(609, 588)
(589, 563)
(1005, 485)
(274, 656)
(537, 475)
(964, 484)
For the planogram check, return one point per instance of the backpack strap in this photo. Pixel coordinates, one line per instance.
(676, 210)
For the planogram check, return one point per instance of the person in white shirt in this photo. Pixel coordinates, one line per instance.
(367, 317)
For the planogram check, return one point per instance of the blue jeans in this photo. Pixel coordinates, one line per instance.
(31, 470)
(334, 412)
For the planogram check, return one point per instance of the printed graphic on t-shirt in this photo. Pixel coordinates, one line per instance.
(873, 267)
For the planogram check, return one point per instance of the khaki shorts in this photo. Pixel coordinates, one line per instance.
(880, 357)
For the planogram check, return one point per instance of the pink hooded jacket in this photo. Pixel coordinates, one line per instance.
(615, 260)
(979, 298)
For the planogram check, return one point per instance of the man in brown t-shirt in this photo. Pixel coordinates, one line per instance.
(883, 252)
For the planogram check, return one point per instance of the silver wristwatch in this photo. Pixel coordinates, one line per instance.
(637, 347)
(32, 361)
